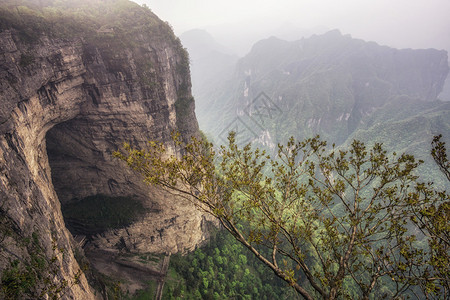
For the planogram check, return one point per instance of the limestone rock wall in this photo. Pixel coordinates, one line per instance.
(34, 99)
(66, 104)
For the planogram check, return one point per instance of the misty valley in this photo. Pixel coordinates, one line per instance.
(138, 161)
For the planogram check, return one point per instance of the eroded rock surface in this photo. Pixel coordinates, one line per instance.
(66, 104)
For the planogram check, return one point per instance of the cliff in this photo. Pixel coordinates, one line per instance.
(74, 86)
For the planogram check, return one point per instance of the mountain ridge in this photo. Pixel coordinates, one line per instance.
(333, 85)
(350, 68)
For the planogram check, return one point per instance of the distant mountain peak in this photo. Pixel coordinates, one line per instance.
(201, 41)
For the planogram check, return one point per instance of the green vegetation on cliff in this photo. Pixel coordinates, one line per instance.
(88, 19)
(34, 276)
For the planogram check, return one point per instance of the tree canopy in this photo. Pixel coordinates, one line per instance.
(332, 223)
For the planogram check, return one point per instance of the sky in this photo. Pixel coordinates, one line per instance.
(396, 23)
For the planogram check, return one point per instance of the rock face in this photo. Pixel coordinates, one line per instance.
(66, 104)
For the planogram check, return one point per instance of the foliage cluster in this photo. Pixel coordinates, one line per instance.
(26, 60)
(183, 66)
(183, 107)
(185, 102)
(433, 220)
(223, 269)
(148, 293)
(35, 277)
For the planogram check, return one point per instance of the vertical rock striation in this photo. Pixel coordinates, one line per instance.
(34, 98)
(66, 104)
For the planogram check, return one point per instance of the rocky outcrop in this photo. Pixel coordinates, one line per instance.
(66, 104)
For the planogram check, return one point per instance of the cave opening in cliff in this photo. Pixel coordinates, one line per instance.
(90, 201)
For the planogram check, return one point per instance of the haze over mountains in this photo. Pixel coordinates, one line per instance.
(78, 78)
(329, 84)
(399, 24)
